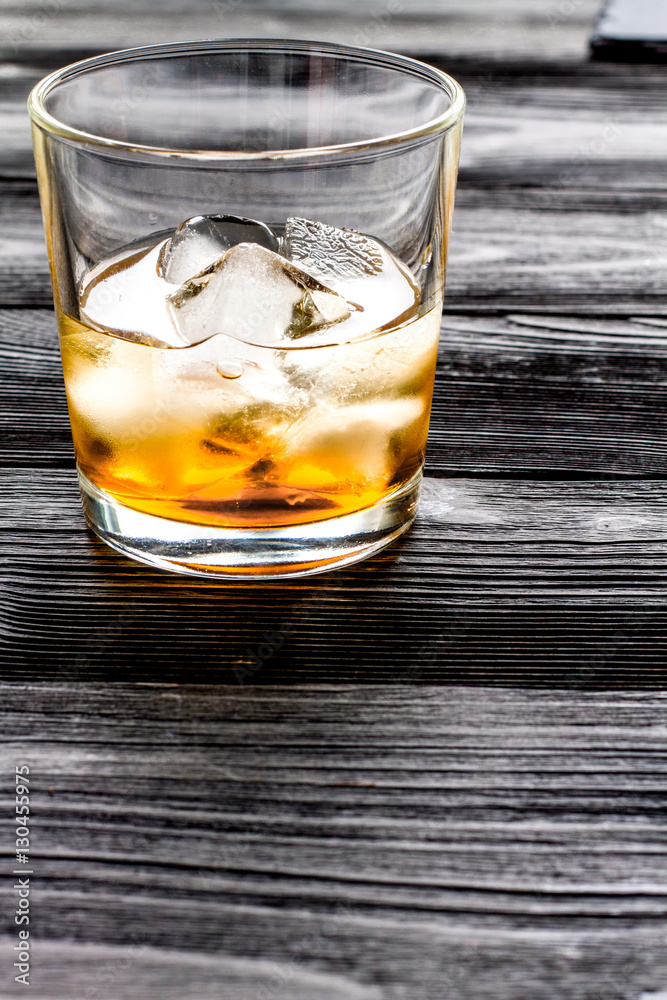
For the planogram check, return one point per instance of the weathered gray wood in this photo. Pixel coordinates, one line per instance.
(509, 251)
(515, 581)
(369, 837)
(116, 972)
(574, 127)
(520, 395)
(323, 825)
(484, 30)
(592, 127)
(604, 514)
(194, 835)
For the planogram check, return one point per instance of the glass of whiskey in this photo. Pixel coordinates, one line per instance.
(247, 243)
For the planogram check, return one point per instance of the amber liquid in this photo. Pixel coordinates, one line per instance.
(272, 437)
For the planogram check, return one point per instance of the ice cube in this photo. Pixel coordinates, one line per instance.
(340, 287)
(124, 296)
(256, 296)
(325, 250)
(398, 364)
(200, 241)
(111, 400)
(358, 441)
(361, 269)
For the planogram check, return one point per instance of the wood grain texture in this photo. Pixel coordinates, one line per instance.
(563, 126)
(518, 395)
(114, 973)
(515, 29)
(437, 775)
(547, 251)
(365, 844)
(538, 583)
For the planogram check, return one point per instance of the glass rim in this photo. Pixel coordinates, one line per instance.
(53, 126)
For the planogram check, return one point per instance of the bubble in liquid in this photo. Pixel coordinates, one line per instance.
(230, 369)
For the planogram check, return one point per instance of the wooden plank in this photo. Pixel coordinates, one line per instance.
(514, 250)
(315, 838)
(484, 30)
(525, 394)
(562, 128)
(519, 249)
(224, 806)
(557, 126)
(518, 581)
(24, 269)
(65, 968)
(522, 395)
(16, 159)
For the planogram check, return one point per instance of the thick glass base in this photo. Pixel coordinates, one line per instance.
(249, 553)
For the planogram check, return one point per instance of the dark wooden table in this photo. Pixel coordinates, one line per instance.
(448, 781)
